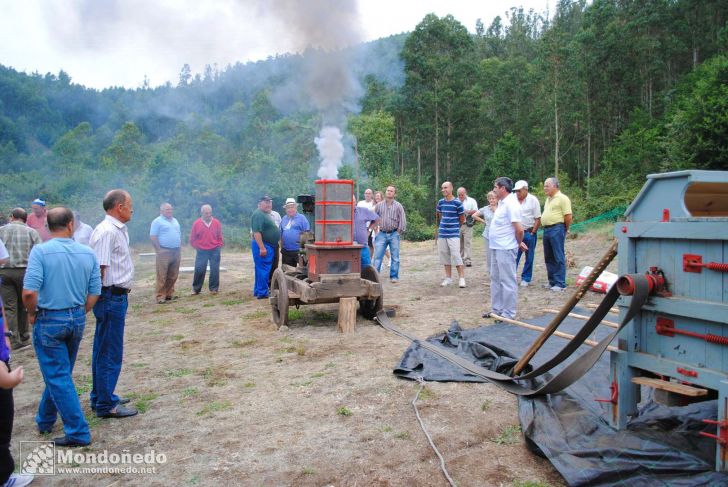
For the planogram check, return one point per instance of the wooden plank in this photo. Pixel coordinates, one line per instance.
(559, 334)
(347, 315)
(610, 324)
(664, 385)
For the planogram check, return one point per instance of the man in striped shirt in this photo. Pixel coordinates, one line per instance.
(450, 215)
(110, 242)
(392, 222)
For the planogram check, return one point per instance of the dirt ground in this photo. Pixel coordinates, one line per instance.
(229, 400)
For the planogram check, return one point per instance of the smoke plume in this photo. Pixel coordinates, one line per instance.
(331, 151)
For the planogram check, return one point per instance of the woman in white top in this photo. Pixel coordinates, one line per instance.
(485, 215)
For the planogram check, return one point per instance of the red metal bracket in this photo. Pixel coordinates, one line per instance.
(694, 263)
(722, 436)
(689, 373)
(614, 396)
(666, 327)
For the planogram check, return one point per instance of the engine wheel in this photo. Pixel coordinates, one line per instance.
(279, 298)
(370, 307)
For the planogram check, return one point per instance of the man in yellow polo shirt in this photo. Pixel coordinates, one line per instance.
(555, 222)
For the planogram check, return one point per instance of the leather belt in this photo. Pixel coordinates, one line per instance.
(549, 226)
(116, 290)
(566, 376)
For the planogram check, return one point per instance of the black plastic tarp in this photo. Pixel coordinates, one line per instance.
(661, 446)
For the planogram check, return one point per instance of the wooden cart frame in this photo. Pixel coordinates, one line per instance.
(291, 287)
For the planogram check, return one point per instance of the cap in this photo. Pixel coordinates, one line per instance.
(290, 201)
(265, 197)
(39, 202)
(520, 185)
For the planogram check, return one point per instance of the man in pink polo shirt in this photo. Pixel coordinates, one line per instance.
(206, 238)
(37, 219)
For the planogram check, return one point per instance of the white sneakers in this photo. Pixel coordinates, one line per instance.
(525, 284)
(447, 281)
(18, 480)
(558, 289)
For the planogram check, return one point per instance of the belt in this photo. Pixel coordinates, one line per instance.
(169, 248)
(116, 290)
(528, 229)
(549, 226)
(46, 310)
(390, 231)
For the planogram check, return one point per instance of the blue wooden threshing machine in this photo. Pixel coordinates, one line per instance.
(677, 233)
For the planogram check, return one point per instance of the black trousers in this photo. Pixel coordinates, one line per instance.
(6, 431)
(290, 257)
(274, 266)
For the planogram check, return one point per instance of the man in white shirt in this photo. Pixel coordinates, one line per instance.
(505, 238)
(466, 228)
(82, 232)
(531, 213)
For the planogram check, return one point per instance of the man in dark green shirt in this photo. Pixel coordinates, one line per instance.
(264, 246)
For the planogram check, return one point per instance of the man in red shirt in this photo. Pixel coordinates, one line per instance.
(206, 238)
(37, 219)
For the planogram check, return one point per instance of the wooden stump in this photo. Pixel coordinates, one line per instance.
(347, 315)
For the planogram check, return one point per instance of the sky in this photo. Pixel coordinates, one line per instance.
(103, 43)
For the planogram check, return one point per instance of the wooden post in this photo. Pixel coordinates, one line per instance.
(347, 315)
(566, 309)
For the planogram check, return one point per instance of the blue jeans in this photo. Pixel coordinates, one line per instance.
(365, 257)
(201, 259)
(531, 241)
(553, 254)
(263, 266)
(380, 246)
(110, 313)
(56, 337)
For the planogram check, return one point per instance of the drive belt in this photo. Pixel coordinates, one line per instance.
(566, 376)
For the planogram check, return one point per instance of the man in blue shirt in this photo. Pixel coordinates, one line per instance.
(450, 215)
(166, 237)
(364, 219)
(62, 283)
(292, 225)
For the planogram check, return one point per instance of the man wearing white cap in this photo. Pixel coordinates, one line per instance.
(37, 219)
(292, 225)
(531, 220)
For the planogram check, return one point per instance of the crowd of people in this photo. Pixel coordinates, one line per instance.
(512, 219)
(54, 269)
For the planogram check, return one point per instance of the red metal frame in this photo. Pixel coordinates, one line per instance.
(324, 222)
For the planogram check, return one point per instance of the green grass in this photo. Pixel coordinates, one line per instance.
(387, 429)
(295, 314)
(177, 372)
(177, 337)
(509, 436)
(343, 411)
(426, 394)
(214, 406)
(402, 435)
(190, 392)
(184, 310)
(486, 405)
(208, 305)
(317, 375)
(139, 365)
(84, 384)
(330, 365)
(144, 401)
(243, 343)
(249, 385)
(232, 302)
(529, 483)
(308, 471)
(257, 315)
(92, 420)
